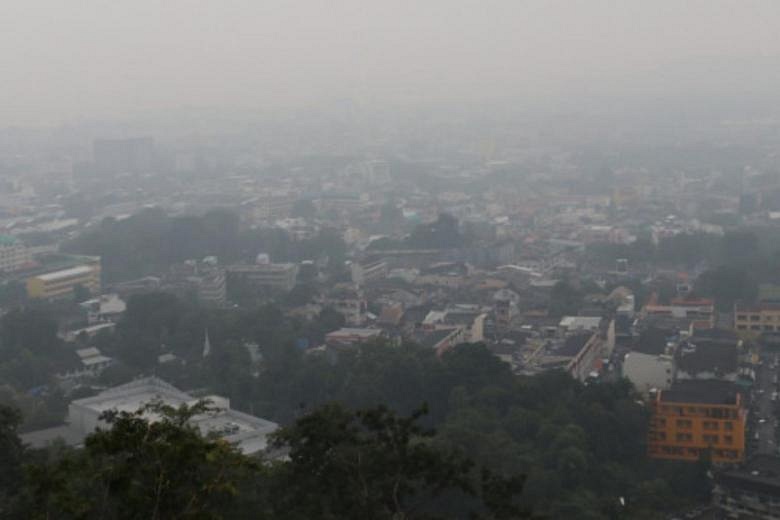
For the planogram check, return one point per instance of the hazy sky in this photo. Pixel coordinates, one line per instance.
(62, 59)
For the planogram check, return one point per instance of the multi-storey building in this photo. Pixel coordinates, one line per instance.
(279, 277)
(350, 337)
(763, 317)
(13, 254)
(59, 284)
(211, 287)
(349, 301)
(695, 418)
(367, 272)
(701, 312)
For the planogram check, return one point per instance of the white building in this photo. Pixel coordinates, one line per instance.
(105, 308)
(572, 324)
(91, 363)
(249, 433)
(264, 276)
(368, 272)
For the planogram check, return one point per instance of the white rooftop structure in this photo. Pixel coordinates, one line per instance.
(434, 317)
(90, 331)
(249, 433)
(106, 304)
(588, 323)
(65, 273)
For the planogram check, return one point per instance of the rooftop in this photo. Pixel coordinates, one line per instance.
(248, 432)
(652, 341)
(708, 391)
(580, 322)
(366, 333)
(757, 307)
(65, 273)
(573, 345)
(707, 356)
(715, 335)
(433, 338)
(693, 302)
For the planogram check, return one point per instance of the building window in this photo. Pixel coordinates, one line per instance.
(728, 439)
(683, 423)
(755, 327)
(657, 436)
(684, 437)
(710, 439)
(755, 317)
(728, 426)
(741, 327)
(710, 425)
(742, 317)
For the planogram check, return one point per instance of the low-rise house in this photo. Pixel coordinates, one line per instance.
(105, 308)
(351, 337)
(89, 332)
(91, 362)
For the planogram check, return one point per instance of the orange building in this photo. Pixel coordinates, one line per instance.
(694, 417)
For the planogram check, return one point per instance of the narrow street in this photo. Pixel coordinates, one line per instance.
(762, 417)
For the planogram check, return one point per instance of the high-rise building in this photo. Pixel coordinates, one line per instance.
(124, 155)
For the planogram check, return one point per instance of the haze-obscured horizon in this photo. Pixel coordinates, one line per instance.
(63, 61)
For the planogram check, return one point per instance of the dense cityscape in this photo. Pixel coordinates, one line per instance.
(604, 325)
(390, 260)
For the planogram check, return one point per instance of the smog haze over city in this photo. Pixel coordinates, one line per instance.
(390, 259)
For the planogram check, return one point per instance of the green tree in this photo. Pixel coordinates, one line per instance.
(11, 457)
(727, 285)
(373, 464)
(443, 233)
(81, 293)
(138, 469)
(564, 300)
